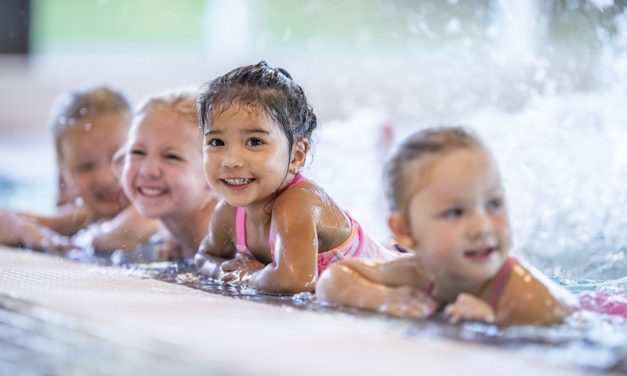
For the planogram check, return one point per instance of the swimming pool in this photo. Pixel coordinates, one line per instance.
(561, 149)
(564, 213)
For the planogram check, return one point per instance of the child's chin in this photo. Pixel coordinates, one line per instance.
(236, 203)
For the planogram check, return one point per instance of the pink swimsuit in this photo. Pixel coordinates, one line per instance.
(499, 282)
(358, 244)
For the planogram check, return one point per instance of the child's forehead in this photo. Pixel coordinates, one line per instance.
(164, 126)
(113, 123)
(450, 171)
(238, 109)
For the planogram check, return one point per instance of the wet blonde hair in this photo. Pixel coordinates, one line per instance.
(76, 105)
(421, 145)
(181, 101)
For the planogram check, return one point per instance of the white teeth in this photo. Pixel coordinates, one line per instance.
(237, 182)
(151, 191)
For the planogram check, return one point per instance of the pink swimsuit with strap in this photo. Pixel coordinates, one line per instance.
(358, 244)
(500, 281)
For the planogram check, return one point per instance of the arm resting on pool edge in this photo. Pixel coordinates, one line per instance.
(343, 284)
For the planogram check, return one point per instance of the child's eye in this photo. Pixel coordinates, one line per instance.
(215, 142)
(86, 167)
(495, 204)
(173, 157)
(137, 152)
(254, 142)
(454, 212)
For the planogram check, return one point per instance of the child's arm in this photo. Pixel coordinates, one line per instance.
(374, 287)
(17, 230)
(66, 221)
(530, 297)
(406, 270)
(125, 231)
(295, 258)
(218, 246)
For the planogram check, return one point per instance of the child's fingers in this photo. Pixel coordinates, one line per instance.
(453, 313)
(230, 277)
(62, 244)
(468, 307)
(230, 266)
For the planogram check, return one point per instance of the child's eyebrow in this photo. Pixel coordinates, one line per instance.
(245, 131)
(255, 130)
(212, 132)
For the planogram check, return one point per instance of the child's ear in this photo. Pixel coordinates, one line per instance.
(400, 230)
(299, 155)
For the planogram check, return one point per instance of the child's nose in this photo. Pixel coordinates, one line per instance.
(480, 226)
(232, 158)
(150, 168)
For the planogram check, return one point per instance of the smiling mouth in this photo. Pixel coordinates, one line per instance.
(237, 182)
(480, 253)
(151, 192)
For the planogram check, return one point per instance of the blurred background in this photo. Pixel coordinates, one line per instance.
(544, 82)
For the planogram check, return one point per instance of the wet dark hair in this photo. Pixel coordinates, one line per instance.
(260, 85)
(421, 144)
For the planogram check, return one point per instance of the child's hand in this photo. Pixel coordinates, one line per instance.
(469, 307)
(40, 238)
(168, 250)
(239, 269)
(408, 302)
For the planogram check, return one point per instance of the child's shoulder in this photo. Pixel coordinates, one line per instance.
(305, 194)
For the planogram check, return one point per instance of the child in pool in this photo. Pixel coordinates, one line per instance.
(448, 206)
(163, 170)
(274, 230)
(89, 125)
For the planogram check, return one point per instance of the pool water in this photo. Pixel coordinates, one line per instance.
(595, 342)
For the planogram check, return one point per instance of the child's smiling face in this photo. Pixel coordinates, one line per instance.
(457, 220)
(162, 172)
(246, 155)
(86, 151)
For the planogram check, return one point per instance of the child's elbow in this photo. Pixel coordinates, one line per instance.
(295, 284)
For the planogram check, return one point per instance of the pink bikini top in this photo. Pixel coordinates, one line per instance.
(496, 290)
(500, 281)
(350, 248)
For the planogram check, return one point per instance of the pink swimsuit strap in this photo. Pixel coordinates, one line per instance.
(240, 221)
(500, 281)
